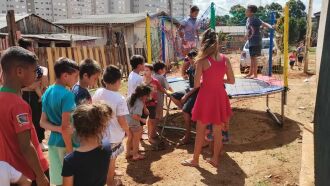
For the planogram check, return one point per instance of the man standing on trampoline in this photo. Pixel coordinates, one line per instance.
(254, 37)
(189, 31)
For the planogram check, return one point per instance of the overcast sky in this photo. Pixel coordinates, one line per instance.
(224, 5)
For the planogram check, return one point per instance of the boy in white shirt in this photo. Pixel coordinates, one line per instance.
(134, 78)
(9, 175)
(118, 126)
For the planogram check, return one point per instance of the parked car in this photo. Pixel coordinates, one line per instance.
(245, 61)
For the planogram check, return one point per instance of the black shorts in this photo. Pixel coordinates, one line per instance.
(255, 51)
(189, 104)
(300, 59)
(178, 95)
(152, 112)
(292, 63)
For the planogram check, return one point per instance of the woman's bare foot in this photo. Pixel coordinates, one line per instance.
(214, 163)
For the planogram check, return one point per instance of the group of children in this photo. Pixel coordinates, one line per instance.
(87, 131)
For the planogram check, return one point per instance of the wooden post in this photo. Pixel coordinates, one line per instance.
(11, 27)
(308, 34)
(322, 112)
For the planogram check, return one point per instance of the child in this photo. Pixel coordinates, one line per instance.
(57, 105)
(136, 103)
(19, 144)
(89, 72)
(292, 59)
(152, 102)
(32, 94)
(88, 164)
(115, 133)
(9, 175)
(212, 66)
(254, 37)
(301, 53)
(160, 70)
(134, 78)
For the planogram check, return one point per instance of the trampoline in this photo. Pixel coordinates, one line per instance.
(243, 88)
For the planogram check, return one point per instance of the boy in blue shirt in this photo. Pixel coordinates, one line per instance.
(254, 37)
(57, 104)
(89, 72)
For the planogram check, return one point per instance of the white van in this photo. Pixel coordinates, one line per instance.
(245, 61)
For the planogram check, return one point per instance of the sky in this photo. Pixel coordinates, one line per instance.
(225, 5)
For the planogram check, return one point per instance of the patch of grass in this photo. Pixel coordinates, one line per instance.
(261, 183)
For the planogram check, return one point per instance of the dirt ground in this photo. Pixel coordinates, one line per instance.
(259, 153)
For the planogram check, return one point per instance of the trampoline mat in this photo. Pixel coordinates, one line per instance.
(241, 88)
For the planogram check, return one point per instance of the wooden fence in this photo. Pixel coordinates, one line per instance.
(104, 55)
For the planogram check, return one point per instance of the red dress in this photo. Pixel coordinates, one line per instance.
(212, 103)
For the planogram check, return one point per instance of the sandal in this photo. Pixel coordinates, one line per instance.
(140, 157)
(189, 163)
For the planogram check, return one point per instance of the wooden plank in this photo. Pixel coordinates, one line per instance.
(57, 53)
(85, 54)
(104, 62)
(79, 54)
(11, 27)
(90, 51)
(322, 111)
(97, 55)
(75, 54)
(50, 61)
(63, 52)
(69, 49)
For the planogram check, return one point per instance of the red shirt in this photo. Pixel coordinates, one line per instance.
(15, 118)
(155, 87)
(292, 57)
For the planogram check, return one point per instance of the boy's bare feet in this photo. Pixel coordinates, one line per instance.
(138, 157)
(214, 163)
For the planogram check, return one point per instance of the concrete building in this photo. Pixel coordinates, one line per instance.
(181, 8)
(152, 6)
(120, 6)
(18, 5)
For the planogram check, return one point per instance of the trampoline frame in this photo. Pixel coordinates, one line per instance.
(279, 121)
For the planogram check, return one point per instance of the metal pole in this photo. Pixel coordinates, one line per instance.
(308, 34)
(271, 44)
(212, 21)
(148, 34)
(163, 39)
(286, 45)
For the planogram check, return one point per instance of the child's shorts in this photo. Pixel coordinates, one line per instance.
(134, 126)
(292, 63)
(152, 112)
(56, 157)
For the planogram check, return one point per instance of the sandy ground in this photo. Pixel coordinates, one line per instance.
(260, 153)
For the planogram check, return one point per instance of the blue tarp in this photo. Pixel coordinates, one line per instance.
(241, 88)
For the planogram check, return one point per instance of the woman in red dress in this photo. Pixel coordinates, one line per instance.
(212, 104)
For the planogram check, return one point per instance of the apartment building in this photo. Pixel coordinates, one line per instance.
(181, 8)
(151, 6)
(119, 6)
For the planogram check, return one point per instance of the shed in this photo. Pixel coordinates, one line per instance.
(132, 25)
(31, 24)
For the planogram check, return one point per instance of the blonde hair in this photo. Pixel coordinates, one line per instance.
(209, 44)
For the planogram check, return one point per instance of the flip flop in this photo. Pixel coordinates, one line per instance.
(140, 157)
(188, 163)
(209, 160)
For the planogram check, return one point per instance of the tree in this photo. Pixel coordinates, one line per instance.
(262, 14)
(222, 20)
(238, 15)
(274, 7)
(297, 21)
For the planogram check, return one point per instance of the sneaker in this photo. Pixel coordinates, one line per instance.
(43, 147)
(225, 137)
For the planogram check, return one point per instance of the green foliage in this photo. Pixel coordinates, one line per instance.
(238, 15)
(274, 7)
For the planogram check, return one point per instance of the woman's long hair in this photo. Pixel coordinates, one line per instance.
(209, 44)
(140, 91)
